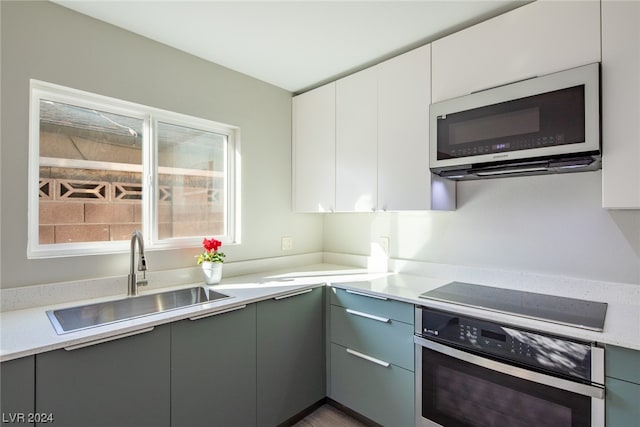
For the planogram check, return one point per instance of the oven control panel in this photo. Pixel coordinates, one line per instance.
(486, 338)
(544, 351)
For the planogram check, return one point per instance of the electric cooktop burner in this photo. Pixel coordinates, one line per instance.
(562, 310)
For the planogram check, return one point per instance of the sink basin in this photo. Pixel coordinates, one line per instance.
(88, 316)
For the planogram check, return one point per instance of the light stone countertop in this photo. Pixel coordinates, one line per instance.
(28, 331)
(621, 327)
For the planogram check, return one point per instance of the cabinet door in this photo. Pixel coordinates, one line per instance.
(213, 370)
(621, 104)
(623, 403)
(404, 92)
(536, 39)
(622, 370)
(17, 379)
(357, 141)
(124, 382)
(622, 363)
(378, 337)
(290, 355)
(314, 136)
(384, 394)
(372, 304)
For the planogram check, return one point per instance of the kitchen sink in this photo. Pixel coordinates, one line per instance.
(88, 316)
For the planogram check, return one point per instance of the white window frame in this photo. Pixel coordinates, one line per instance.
(151, 116)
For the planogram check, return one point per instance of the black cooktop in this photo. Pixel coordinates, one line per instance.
(562, 310)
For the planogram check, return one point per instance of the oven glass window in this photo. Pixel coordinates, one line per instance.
(459, 394)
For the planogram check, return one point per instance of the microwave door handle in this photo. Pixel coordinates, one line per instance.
(514, 371)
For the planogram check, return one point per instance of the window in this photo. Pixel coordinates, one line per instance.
(100, 168)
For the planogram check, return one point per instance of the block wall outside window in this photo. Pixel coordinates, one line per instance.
(102, 174)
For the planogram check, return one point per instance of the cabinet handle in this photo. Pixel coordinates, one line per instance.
(215, 313)
(103, 340)
(368, 316)
(369, 358)
(362, 294)
(306, 291)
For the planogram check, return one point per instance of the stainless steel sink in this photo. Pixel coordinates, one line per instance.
(88, 316)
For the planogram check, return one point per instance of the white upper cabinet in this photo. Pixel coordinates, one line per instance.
(621, 104)
(361, 144)
(382, 138)
(356, 141)
(539, 38)
(314, 129)
(404, 95)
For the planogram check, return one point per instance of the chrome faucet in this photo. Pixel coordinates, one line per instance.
(142, 264)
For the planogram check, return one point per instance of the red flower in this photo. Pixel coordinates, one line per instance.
(211, 253)
(211, 244)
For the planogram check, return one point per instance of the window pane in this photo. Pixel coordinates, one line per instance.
(192, 169)
(90, 174)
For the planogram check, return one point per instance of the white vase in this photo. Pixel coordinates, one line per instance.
(212, 272)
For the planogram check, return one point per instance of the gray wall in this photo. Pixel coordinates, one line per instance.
(545, 224)
(44, 41)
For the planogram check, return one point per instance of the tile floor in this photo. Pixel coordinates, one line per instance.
(328, 416)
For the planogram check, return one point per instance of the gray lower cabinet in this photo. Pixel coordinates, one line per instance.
(381, 393)
(124, 382)
(371, 366)
(213, 370)
(623, 387)
(17, 381)
(290, 375)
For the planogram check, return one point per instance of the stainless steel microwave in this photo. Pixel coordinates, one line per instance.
(547, 124)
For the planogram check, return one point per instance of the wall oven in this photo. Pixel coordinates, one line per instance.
(475, 373)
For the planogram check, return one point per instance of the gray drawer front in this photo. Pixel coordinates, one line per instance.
(383, 394)
(390, 341)
(387, 308)
(622, 403)
(622, 363)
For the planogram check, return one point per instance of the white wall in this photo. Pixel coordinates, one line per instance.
(546, 224)
(44, 41)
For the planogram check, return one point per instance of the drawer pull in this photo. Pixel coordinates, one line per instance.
(306, 291)
(104, 340)
(215, 313)
(369, 358)
(362, 294)
(368, 316)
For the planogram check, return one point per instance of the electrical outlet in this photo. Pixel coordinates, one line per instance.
(287, 243)
(384, 244)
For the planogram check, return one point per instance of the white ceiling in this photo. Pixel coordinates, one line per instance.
(292, 44)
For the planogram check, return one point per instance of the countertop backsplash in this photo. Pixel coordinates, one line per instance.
(56, 293)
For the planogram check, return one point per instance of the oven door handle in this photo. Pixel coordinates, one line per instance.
(525, 374)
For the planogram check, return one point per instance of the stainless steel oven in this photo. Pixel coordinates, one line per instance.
(472, 372)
